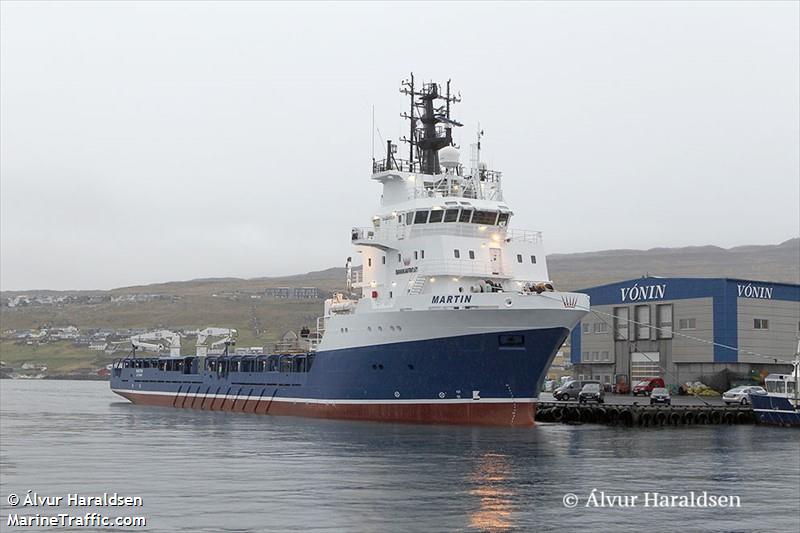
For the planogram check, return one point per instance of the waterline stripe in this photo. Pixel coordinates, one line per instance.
(338, 401)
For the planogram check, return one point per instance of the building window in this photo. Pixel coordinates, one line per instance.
(621, 319)
(585, 356)
(519, 258)
(687, 323)
(587, 328)
(595, 356)
(533, 259)
(600, 327)
(605, 355)
(760, 323)
(664, 321)
(457, 254)
(436, 215)
(642, 318)
(472, 254)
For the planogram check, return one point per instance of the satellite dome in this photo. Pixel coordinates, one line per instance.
(448, 157)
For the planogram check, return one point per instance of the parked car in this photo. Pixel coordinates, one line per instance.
(591, 392)
(741, 395)
(660, 395)
(571, 389)
(646, 386)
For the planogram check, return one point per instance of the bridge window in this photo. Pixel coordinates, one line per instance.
(488, 218)
(420, 217)
(416, 255)
(457, 254)
(451, 215)
(399, 258)
(502, 220)
(533, 259)
(383, 259)
(472, 254)
(422, 254)
(436, 215)
(466, 215)
(519, 258)
(369, 261)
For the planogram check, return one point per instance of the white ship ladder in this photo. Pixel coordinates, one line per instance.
(417, 285)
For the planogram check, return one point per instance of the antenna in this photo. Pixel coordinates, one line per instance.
(428, 138)
(373, 134)
(408, 88)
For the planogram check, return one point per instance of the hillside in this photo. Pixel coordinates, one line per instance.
(260, 319)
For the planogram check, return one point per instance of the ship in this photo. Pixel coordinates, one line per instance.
(449, 315)
(780, 406)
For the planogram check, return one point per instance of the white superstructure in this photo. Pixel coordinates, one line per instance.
(441, 240)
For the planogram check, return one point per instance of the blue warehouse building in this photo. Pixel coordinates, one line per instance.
(714, 330)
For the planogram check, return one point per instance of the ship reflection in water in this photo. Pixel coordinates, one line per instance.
(491, 487)
(208, 472)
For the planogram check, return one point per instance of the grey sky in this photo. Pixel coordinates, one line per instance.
(146, 142)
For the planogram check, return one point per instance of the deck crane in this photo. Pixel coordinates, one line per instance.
(229, 337)
(171, 340)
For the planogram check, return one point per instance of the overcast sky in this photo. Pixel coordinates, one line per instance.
(147, 142)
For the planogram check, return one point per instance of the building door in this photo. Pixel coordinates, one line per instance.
(496, 260)
(645, 365)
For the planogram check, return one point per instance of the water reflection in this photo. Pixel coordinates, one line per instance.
(215, 471)
(495, 495)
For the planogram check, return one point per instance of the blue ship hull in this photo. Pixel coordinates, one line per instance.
(471, 379)
(775, 410)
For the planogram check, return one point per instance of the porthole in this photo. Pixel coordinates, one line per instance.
(411, 367)
(369, 328)
(399, 328)
(380, 367)
(380, 328)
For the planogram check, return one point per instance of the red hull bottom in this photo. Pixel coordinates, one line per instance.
(475, 413)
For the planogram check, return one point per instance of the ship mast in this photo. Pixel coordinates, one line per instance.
(430, 137)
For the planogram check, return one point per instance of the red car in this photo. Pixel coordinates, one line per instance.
(646, 386)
